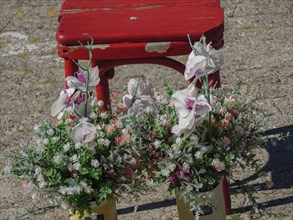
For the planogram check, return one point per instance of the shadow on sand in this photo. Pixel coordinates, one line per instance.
(280, 165)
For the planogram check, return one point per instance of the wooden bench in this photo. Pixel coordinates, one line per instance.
(135, 32)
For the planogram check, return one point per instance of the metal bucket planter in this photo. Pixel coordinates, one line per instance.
(216, 211)
(105, 211)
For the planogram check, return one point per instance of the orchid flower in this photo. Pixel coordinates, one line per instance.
(80, 109)
(140, 96)
(84, 132)
(64, 101)
(203, 60)
(79, 80)
(191, 109)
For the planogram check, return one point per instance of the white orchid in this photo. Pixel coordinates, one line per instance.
(79, 80)
(80, 109)
(204, 59)
(191, 109)
(64, 101)
(140, 96)
(84, 132)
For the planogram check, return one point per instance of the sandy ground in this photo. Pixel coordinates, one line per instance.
(258, 53)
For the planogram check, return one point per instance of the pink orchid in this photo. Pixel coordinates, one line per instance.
(79, 80)
(64, 101)
(191, 109)
(84, 132)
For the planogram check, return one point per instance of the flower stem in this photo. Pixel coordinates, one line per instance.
(208, 93)
(89, 48)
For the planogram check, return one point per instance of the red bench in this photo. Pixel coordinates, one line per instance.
(134, 32)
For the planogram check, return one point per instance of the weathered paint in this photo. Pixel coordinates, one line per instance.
(101, 46)
(147, 7)
(159, 47)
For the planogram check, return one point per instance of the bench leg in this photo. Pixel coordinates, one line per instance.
(70, 68)
(102, 89)
(103, 92)
(214, 79)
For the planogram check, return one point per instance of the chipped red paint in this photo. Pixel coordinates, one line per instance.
(157, 21)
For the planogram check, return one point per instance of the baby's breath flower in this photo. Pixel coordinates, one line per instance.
(95, 163)
(157, 143)
(83, 184)
(104, 115)
(38, 170)
(56, 139)
(70, 167)
(37, 127)
(93, 115)
(88, 190)
(124, 130)
(100, 103)
(193, 137)
(202, 171)
(64, 205)
(101, 141)
(45, 141)
(218, 165)
(198, 154)
(39, 148)
(77, 145)
(42, 184)
(74, 158)
(66, 147)
(40, 178)
(107, 142)
(76, 166)
(57, 159)
(50, 132)
(148, 109)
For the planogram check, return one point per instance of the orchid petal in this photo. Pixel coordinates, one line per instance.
(62, 102)
(191, 110)
(80, 109)
(94, 77)
(203, 60)
(194, 64)
(145, 89)
(132, 86)
(127, 100)
(84, 132)
(58, 105)
(75, 83)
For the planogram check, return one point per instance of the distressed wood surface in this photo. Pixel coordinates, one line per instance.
(120, 21)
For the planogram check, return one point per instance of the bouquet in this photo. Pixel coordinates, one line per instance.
(88, 155)
(192, 138)
(189, 139)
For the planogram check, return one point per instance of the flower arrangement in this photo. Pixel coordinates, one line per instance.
(190, 138)
(194, 137)
(87, 156)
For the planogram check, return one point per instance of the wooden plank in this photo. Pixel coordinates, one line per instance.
(117, 25)
(132, 4)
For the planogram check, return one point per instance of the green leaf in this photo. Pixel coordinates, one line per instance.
(83, 171)
(229, 158)
(96, 173)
